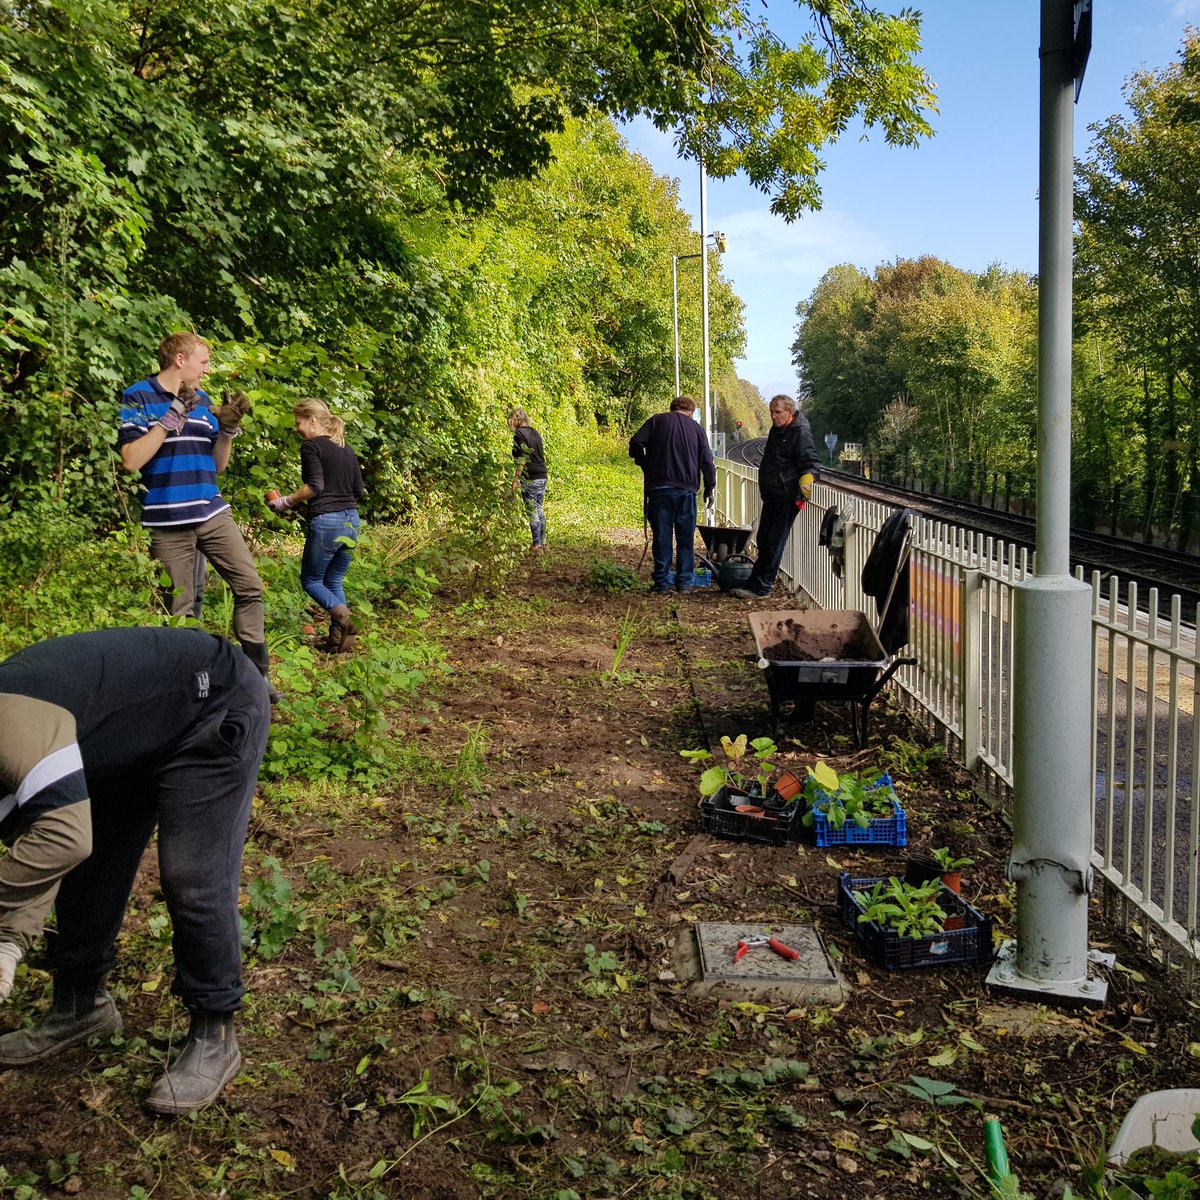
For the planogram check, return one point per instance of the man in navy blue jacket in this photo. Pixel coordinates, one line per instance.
(673, 452)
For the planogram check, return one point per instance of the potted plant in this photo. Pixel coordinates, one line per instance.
(853, 808)
(745, 771)
(788, 786)
(910, 909)
(951, 868)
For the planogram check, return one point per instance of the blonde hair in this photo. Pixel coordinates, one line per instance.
(333, 427)
(518, 418)
(177, 343)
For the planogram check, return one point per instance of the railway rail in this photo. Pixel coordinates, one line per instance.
(1150, 567)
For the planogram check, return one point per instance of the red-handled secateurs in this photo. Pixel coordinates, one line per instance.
(761, 939)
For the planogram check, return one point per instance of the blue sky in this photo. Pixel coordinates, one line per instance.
(968, 195)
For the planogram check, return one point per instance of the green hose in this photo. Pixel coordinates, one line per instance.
(997, 1156)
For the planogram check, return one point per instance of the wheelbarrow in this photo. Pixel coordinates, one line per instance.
(724, 554)
(822, 654)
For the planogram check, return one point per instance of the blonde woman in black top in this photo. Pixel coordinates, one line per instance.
(332, 489)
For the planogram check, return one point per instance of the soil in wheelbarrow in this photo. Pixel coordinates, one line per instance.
(801, 644)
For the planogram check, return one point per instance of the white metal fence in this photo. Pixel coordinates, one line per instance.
(1146, 844)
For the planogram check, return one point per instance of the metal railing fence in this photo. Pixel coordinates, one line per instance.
(1146, 844)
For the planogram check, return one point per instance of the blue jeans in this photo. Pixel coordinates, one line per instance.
(327, 556)
(672, 513)
(774, 528)
(533, 492)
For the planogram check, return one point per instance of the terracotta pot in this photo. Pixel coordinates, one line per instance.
(955, 922)
(273, 494)
(953, 880)
(789, 785)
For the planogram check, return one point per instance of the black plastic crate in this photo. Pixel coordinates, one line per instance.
(771, 828)
(970, 945)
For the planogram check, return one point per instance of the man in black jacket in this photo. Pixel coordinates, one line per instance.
(673, 452)
(785, 479)
(105, 737)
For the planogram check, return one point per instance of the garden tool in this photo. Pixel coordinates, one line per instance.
(751, 941)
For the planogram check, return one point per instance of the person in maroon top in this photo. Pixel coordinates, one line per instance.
(332, 489)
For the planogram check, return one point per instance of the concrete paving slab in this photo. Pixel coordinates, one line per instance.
(703, 958)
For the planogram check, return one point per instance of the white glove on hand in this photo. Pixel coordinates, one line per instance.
(10, 955)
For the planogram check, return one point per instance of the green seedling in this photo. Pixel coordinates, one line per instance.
(842, 798)
(909, 909)
(948, 862)
(746, 767)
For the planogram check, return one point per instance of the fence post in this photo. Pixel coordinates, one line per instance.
(970, 641)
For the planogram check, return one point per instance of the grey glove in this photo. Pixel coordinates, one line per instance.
(10, 955)
(230, 414)
(281, 504)
(175, 418)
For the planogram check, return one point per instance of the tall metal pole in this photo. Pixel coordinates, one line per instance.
(1052, 680)
(675, 308)
(708, 429)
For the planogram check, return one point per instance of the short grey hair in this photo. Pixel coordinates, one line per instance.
(782, 399)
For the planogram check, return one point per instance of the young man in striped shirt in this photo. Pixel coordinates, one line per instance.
(170, 433)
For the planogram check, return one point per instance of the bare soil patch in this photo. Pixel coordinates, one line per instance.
(480, 999)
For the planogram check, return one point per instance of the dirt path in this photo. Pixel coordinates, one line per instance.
(474, 993)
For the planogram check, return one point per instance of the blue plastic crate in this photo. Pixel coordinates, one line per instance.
(882, 831)
(970, 945)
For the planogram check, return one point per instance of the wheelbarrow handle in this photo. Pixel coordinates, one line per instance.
(881, 682)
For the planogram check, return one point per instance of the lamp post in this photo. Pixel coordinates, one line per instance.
(720, 242)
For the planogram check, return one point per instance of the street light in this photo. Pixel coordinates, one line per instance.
(720, 242)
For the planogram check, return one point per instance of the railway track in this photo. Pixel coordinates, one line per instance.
(1131, 562)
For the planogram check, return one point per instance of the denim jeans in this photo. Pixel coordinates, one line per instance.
(672, 513)
(533, 492)
(774, 529)
(327, 556)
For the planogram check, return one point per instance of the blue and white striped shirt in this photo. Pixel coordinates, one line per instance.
(181, 478)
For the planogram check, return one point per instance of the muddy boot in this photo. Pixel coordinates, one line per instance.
(256, 652)
(333, 643)
(79, 1012)
(340, 614)
(210, 1058)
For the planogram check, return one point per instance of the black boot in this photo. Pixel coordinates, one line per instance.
(210, 1058)
(79, 1012)
(333, 643)
(256, 652)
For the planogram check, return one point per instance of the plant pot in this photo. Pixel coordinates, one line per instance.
(953, 880)
(921, 868)
(789, 785)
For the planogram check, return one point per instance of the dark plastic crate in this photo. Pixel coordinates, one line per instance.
(882, 831)
(968, 946)
(772, 829)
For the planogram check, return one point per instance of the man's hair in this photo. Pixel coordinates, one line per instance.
(782, 399)
(332, 427)
(683, 404)
(177, 343)
(518, 418)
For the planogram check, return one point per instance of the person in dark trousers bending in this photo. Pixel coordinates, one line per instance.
(180, 445)
(332, 489)
(104, 737)
(673, 452)
(531, 475)
(785, 478)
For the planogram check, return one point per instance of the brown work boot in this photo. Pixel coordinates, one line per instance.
(340, 616)
(333, 640)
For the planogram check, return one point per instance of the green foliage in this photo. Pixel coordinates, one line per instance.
(746, 767)
(274, 917)
(908, 908)
(613, 578)
(858, 797)
(948, 862)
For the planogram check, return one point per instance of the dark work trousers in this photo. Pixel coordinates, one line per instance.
(672, 512)
(199, 799)
(774, 528)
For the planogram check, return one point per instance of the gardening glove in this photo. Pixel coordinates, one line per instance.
(230, 414)
(806, 484)
(10, 955)
(176, 416)
(281, 504)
